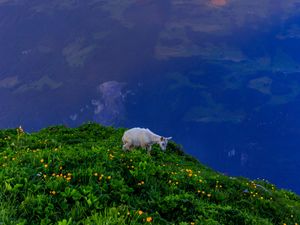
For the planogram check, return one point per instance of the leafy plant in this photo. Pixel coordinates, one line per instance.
(81, 175)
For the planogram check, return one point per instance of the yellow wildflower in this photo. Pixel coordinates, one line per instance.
(42, 160)
(140, 212)
(46, 165)
(149, 219)
(20, 130)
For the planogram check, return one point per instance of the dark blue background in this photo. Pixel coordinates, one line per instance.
(221, 77)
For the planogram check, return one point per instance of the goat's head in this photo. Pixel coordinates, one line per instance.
(163, 142)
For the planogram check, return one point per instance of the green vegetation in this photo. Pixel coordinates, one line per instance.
(81, 176)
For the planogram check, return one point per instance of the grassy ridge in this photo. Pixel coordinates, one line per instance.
(81, 176)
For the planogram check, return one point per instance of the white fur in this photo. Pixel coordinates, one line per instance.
(141, 137)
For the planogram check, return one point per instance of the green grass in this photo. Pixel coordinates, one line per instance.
(81, 176)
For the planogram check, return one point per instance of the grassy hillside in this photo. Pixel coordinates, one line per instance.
(81, 176)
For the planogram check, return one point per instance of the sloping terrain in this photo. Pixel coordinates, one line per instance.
(81, 176)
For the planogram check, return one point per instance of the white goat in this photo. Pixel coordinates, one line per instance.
(141, 137)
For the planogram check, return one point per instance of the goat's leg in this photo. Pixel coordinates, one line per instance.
(126, 146)
(149, 148)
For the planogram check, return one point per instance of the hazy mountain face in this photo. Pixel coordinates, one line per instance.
(220, 76)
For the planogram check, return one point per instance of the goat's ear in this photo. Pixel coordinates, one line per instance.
(168, 138)
(162, 138)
